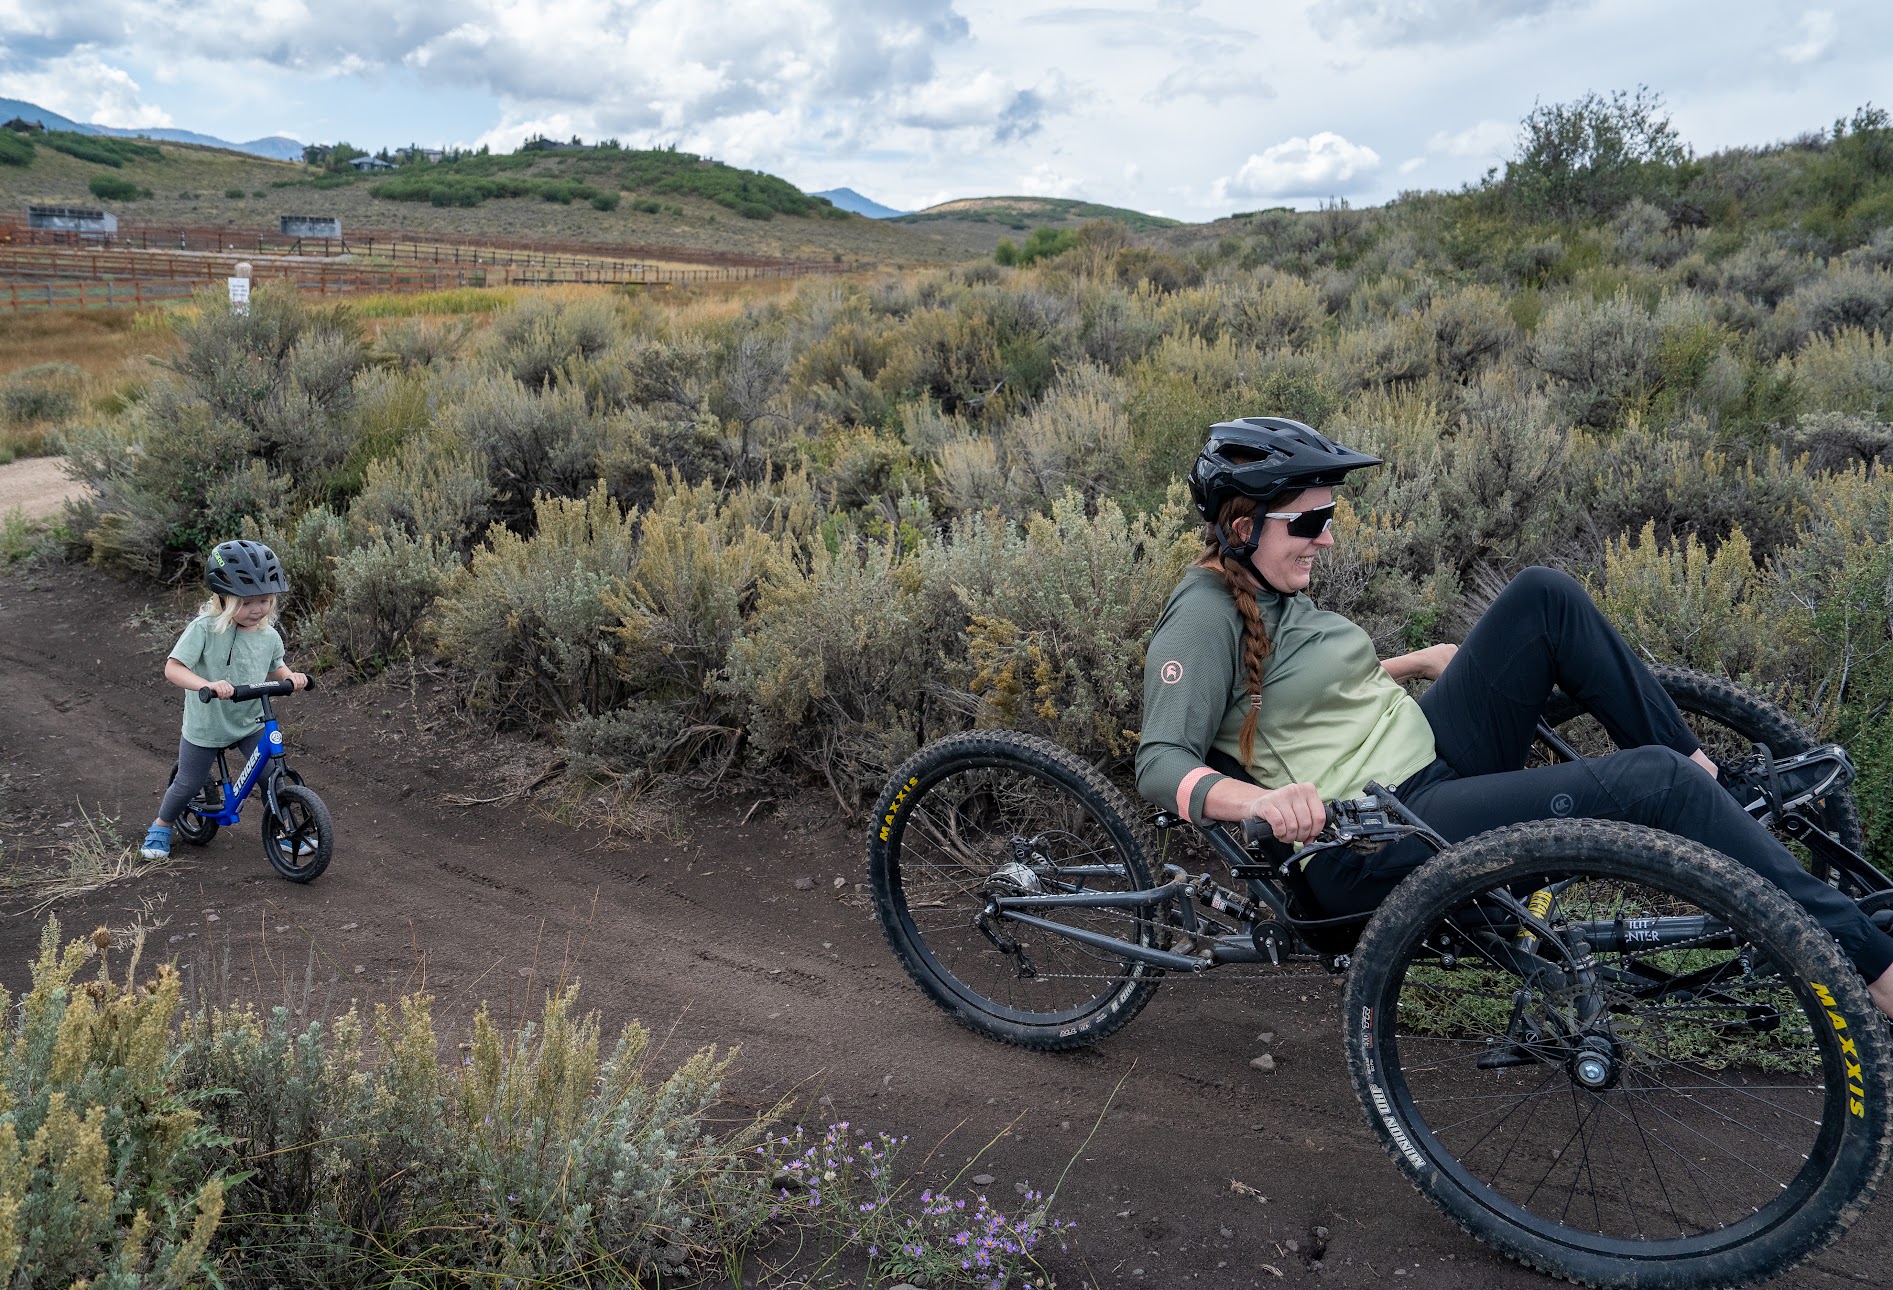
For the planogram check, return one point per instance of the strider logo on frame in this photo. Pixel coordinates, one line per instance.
(1171, 672)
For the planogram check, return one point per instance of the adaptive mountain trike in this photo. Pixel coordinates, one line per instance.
(1610, 1052)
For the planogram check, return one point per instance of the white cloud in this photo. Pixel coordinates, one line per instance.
(1401, 22)
(1045, 180)
(1486, 141)
(1322, 164)
(1818, 31)
(1412, 164)
(639, 68)
(84, 87)
(989, 104)
(1211, 85)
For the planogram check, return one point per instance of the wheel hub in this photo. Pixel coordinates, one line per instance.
(1594, 1063)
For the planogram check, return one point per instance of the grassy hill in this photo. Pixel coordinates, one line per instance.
(662, 197)
(1020, 213)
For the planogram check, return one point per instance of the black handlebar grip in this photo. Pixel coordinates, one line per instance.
(1256, 831)
(206, 693)
(309, 685)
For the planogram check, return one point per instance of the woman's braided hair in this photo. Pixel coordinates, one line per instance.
(1255, 637)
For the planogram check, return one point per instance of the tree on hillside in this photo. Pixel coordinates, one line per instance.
(1589, 156)
(331, 156)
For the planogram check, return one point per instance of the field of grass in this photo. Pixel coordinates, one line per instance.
(71, 365)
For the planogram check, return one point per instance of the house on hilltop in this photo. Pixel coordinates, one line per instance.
(371, 163)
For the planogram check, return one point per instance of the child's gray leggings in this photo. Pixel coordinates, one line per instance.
(193, 772)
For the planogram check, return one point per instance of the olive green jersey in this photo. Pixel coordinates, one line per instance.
(1331, 716)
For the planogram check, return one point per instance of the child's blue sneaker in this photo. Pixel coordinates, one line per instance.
(157, 844)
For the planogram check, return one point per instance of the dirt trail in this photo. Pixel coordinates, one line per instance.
(37, 486)
(708, 939)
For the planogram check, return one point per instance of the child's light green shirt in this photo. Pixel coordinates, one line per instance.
(233, 655)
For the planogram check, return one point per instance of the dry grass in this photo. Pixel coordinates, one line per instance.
(93, 853)
(112, 348)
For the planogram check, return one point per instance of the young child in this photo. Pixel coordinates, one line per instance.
(231, 642)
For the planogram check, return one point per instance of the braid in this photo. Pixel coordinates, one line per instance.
(1255, 637)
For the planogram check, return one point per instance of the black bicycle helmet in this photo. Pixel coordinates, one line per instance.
(244, 568)
(1285, 457)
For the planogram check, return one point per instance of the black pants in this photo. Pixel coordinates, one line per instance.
(1543, 631)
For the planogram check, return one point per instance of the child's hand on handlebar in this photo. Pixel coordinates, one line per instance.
(222, 689)
(299, 679)
(1294, 812)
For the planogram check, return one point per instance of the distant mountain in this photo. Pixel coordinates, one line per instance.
(849, 200)
(275, 146)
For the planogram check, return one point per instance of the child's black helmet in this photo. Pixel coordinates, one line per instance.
(244, 568)
(1285, 457)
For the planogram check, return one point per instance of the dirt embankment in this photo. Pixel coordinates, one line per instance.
(707, 937)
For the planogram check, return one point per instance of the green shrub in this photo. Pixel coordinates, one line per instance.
(835, 673)
(1057, 612)
(1077, 438)
(254, 418)
(529, 444)
(544, 1157)
(701, 562)
(1284, 312)
(15, 150)
(1046, 243)
(527, 622)
(1592, 154)
(430, 487)
(383, 590)
(1849, 297)
(42, 392)
(110, 188)
(537, 338)
(234, 194)
(99, 149)
(109, 1174)
(1690, 604)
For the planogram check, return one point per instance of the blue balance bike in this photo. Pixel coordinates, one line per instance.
(297, 835)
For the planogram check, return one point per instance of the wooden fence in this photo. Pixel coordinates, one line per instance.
(418, 248)
(52, 278)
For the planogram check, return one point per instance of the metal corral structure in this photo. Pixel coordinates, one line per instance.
(72, 219)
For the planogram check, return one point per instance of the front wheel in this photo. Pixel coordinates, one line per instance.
(1619, 1057)
(297, 836)
(994, 813)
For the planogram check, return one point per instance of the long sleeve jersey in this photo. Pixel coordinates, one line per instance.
(1331, 716)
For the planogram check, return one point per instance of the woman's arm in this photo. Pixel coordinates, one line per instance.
(1294, 812)
(1424, 664)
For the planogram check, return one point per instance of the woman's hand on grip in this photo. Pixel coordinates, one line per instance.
(1295, 812)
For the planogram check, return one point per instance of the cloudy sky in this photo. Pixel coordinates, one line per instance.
(1190, 108)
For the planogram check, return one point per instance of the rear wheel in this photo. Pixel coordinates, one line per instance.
(190, 826)
(1679, 1082)
(994, 813)
(297, 836)
(1729, 721)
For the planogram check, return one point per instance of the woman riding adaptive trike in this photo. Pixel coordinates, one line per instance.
(1596, 1010)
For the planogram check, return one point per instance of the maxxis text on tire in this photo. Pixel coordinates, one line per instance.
(1772, 1066)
